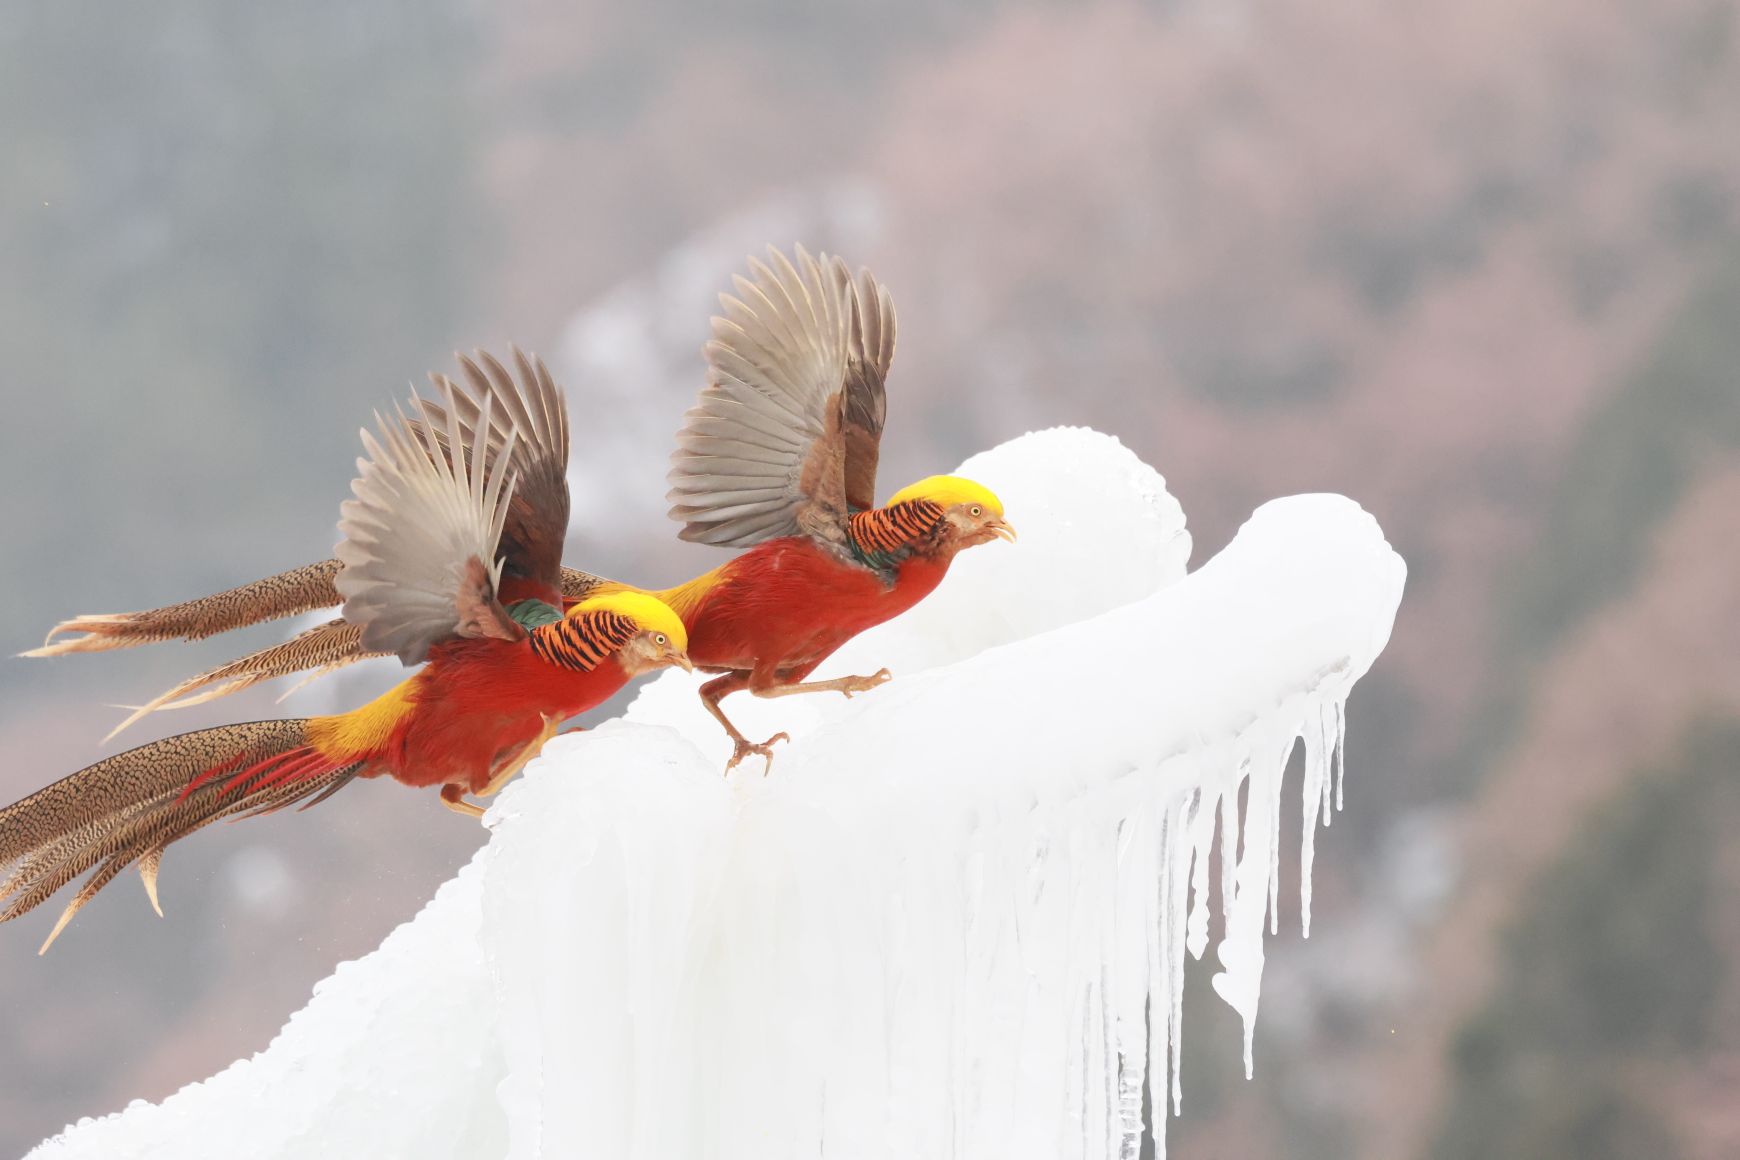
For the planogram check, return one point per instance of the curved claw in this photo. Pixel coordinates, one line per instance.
(764, 751)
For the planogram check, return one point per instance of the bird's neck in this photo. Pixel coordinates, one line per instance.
(885, 537)
(581, 641)
(687, 599)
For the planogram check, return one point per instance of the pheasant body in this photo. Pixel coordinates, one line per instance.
(420, 576)
(789, 603)
(777, 458)
(475, 701)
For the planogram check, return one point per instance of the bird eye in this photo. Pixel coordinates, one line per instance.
(977, 510)
(659, 638)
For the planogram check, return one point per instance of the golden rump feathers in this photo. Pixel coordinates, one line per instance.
(950, 490)
(649, 613)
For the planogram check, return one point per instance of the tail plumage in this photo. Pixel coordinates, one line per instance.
(578, 585)
(318, 651)
(286, 594)
(130, 807)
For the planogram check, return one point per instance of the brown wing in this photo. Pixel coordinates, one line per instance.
(762, 453)
(531, 541)
(869, 353)
(527, 399)
(420, 538)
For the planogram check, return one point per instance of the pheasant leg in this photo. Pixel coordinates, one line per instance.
(846, 685)
(453, 797)
(711, 694)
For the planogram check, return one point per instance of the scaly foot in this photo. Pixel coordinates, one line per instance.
(850, 685)
(743, 749)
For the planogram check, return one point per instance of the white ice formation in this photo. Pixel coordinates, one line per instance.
(952, 923)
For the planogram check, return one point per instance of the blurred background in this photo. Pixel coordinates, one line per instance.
(1476, 265)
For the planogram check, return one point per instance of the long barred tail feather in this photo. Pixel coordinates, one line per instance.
(286, 594)
(323, 648)
(130, 807)
(319, 650)
(578, 585)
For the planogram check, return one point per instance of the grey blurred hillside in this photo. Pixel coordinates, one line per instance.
(1476, 265)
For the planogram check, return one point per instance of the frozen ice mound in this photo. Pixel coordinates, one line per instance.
(953, 921)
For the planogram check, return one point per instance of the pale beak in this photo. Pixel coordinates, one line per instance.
(1002, 530)
(681, 660)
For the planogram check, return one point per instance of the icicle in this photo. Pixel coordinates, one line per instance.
(912, 939)
(1160, 935)
(1136, 933)
(1326, 743)
(1205, 803)
(1275, 842)
(1230, 830)
(1181, 854)
(1313, 798)
(1167, 927)
(1340, 750)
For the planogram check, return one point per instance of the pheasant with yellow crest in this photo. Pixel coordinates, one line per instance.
(778, 457)
(442, 491)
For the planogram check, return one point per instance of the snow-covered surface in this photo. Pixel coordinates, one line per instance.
(936, 930)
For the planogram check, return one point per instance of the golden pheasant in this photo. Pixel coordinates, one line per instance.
(778, 457)
(420, 578)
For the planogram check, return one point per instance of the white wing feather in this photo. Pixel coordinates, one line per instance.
(417, 522)
(775, 366)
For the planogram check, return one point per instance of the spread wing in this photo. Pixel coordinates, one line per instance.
(527, 400)
(869, 352)
(763, 451)
(418, 552)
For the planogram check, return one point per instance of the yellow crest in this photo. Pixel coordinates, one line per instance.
(950, 490)
(649, 613)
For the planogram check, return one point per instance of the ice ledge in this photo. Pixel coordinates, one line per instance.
(937, 930)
